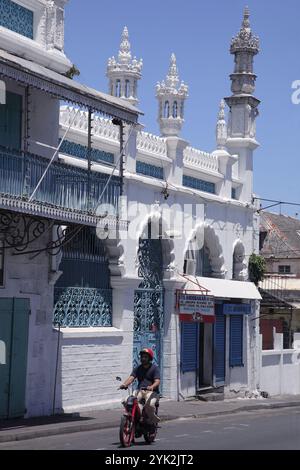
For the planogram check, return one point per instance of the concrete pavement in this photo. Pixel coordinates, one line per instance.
(16, 430)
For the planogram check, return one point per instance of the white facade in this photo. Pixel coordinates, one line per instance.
(226, 218)
(195, 195)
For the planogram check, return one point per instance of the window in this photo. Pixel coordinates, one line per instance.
(16, 18)
(149, 170)
(11, 121)
(1, 265)
(118, 88)
(203, 264)
(236, 341)
(81, 151)
(284, 269)
(198, 184)
(175, 109)
(166, 109)
(127, 88)
(233, 193)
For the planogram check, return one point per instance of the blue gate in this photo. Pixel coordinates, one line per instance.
(149, 300)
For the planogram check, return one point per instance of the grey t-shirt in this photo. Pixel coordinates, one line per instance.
(146, 376)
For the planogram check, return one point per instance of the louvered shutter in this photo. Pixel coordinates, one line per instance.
(236, 341)
(189, 349)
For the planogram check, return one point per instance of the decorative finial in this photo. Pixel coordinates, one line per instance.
(173, 76)
(245, 39)
(221, 130)
(124, 52)
(246, 20)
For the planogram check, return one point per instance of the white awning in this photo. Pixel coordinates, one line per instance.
(224, 288)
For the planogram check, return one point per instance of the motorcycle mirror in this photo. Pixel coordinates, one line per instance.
(119, 379)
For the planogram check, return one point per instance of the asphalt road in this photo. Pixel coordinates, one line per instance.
(268, 430)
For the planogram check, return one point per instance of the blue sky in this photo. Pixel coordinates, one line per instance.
(199, 33)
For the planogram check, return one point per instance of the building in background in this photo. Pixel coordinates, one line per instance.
(280, 306)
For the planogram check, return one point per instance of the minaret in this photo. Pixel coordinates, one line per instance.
(171, 97)
(124, 73)
(243, 105)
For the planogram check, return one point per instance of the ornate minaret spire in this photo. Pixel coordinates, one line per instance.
(221, 129)
(124, 51)
(244, 46)
(171, 97)
(124, 74)
(243, 106)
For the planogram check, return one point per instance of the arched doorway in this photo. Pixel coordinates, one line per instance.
(82, 295)
(149, 297)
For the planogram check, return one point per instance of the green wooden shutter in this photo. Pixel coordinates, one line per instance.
(11, 121)
(6, 308)
(19, 358)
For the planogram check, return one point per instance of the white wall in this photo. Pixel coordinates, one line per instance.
(280, 369)
(28, 277)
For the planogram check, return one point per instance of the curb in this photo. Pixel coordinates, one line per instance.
(27, 435)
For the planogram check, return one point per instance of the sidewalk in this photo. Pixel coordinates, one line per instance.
(15, 430)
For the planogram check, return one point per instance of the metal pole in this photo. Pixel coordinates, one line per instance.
(56, 369)
(122, 158)
(89, 199)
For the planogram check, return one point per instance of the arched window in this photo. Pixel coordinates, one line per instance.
(118, 88)
(203, 263)
(127, 88)
(181, 110)
(175, 109)
(166, 109)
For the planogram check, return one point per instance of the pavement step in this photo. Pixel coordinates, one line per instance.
(214, 396)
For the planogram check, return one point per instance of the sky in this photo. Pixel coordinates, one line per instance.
(199, 33)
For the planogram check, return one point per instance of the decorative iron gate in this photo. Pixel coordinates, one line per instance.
(149, 300)
(82, 295)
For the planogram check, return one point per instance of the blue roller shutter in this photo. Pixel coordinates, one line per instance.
(220, 346)
(236, 341)
(189, 346)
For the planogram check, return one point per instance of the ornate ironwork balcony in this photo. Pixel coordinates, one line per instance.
(64, 186)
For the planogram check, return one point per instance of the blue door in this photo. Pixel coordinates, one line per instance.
(14, 320)
(220, 346)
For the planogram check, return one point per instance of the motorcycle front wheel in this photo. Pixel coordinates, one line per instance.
(126, 431)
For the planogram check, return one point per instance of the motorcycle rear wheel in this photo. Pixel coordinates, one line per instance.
(127, 431)
(150, 436)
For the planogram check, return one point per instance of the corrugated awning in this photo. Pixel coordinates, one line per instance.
(64, 88)
(223, 288)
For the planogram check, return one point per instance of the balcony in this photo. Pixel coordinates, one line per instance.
(65, 188)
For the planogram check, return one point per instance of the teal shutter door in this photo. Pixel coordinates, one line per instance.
(11, 121)
(6, 307)
(19, 358)
(236, 341)
(189, 346)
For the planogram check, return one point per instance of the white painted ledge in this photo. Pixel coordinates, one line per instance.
(90, 332)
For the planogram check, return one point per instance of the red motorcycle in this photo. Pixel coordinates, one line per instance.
(134, 422)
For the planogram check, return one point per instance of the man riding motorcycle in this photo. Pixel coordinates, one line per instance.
(148, 377)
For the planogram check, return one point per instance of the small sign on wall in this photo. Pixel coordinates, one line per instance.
(197, 308)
